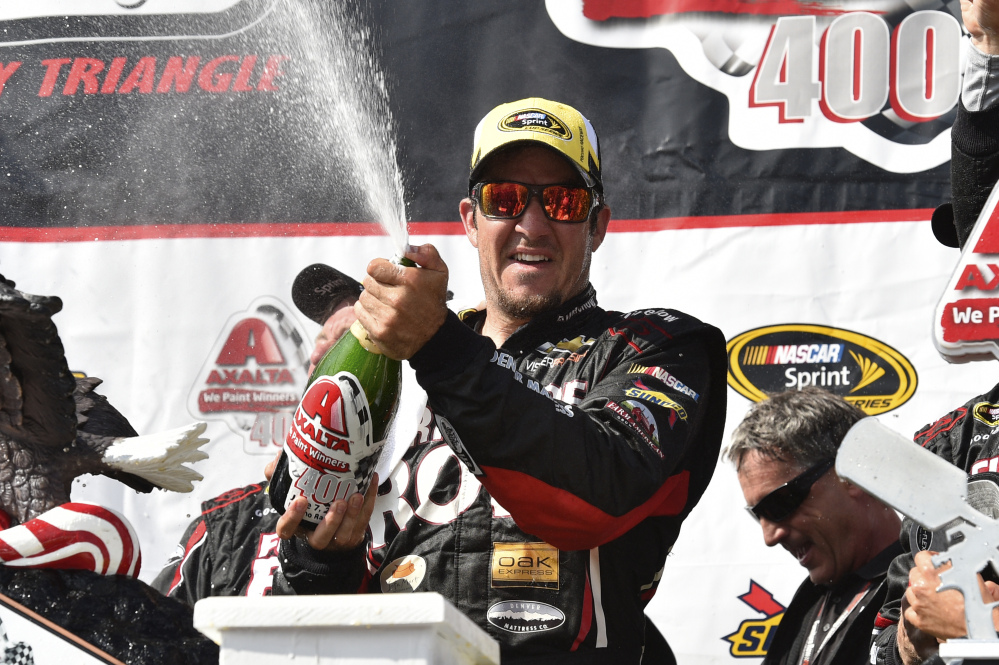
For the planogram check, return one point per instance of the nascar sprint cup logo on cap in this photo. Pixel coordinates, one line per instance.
(536, 120)
(864, 371)
(881, 83)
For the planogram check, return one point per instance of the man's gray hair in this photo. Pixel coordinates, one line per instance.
(801, 427)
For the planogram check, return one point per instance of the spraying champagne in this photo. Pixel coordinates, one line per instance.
(339, 427)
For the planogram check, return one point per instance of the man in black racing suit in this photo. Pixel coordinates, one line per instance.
(229, 550)
(968, 436)
(531, 498)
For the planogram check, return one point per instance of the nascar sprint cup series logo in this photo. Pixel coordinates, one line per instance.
(864, 371)
(881, 83)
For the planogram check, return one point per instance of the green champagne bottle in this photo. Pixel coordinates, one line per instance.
(339, 427)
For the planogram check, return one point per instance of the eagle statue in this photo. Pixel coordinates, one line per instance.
(75, 564)
(54, 427)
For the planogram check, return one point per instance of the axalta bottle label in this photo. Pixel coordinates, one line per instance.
(329, 447)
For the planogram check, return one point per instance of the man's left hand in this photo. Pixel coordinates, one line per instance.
(402, 308)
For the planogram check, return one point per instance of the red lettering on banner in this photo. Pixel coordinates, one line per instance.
(208, 80)
(272, 69)
(260, 377)
(988, 242)
(113, 76)
(142, 76)
(6, 71)
(183, 75)
(971, 320)
(243, 77)
(85, 71)
(251, 338)
(601, 10)
(53, 67)
(972, 277)
(178, 75)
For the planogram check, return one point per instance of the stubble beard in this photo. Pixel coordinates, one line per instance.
(527, 307)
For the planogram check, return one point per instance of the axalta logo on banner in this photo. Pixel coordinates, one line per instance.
(254, 376)
(966, 325)
(879, 83)
(773, 359)
(752, 639)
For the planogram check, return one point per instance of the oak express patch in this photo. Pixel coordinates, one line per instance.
(524, 565)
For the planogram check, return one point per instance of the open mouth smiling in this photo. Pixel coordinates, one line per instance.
(530, 258)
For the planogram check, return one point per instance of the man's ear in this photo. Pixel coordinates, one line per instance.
(600, 229)
(467, 210)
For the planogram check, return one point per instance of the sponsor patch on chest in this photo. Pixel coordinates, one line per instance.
(524, 565)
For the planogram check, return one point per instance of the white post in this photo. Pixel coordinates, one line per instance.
(374, 629)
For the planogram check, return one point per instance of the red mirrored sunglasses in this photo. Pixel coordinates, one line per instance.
(561, 203)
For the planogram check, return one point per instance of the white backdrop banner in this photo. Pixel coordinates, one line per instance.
(152, 317)
(167, 168)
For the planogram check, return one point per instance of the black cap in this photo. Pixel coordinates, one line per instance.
(318, 288)
(942, 223)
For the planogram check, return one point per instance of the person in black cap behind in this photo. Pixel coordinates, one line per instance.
(231, 548)
(562, 445)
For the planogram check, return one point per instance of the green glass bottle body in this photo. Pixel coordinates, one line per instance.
(339, 426)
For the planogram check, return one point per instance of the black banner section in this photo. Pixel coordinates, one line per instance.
(222, 117)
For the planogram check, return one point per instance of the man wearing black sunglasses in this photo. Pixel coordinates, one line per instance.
(784, 452)
(563, 444)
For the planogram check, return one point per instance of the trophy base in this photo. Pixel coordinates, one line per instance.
(981, 652)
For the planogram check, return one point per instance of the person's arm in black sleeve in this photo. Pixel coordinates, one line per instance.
(576, 476)
(187, 575)
(329, 559)
(974, 165)
(975, 134)
(306, 571)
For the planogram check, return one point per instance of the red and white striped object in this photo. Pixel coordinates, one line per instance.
(81, 536)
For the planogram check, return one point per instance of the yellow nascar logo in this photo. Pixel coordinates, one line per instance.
(865, 371)
(536, 120)
(987, 413)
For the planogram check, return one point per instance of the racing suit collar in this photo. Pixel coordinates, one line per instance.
(576, 308)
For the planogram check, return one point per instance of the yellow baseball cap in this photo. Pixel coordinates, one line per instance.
(555, 125)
